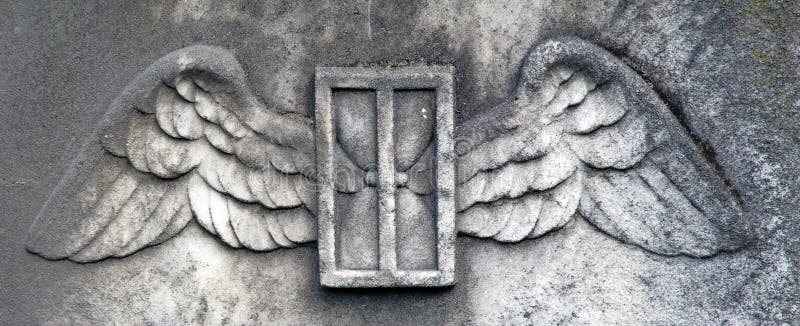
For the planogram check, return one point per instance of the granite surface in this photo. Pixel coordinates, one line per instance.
(727, 69)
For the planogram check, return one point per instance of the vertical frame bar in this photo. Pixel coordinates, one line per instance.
(324, 138)
(445, 178)
(386, 182)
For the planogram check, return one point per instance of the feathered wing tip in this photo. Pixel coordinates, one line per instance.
(579, 113)
(179, 129)
(103, 208)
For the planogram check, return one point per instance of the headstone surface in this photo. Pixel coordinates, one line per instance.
(557, 162)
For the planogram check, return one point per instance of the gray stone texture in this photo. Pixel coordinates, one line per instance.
(726, 69)
(386, 124)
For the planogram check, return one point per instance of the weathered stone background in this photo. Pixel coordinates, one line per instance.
(728, 69)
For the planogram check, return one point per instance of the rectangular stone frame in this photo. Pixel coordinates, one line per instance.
(384, 81)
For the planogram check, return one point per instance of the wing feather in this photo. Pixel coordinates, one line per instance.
(109, 206)
(179, 220)
(253, 232)
(298, 224)
(276, 231)
(523, 216)
(517, 179)
(231, 175)
(618, 146)
(600, 108)
(558, 205)
(609, 149)
(187, 122)
(169, 208)
(128, 217)
(519, 146)
(165, 109)
(569, 93)
(219, 139)
(113, 200)
(174, 145)
(199, 200)
(306, 190)
(220, 212)
(484, 220)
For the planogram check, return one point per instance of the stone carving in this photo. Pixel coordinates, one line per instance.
(386, 171)
(582, 133)
(186, 137)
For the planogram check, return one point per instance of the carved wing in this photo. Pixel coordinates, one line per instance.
(586, 133)
(185, 138)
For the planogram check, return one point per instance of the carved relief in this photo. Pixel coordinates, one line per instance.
(582, 133)
(186, 138)
(391, 128)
